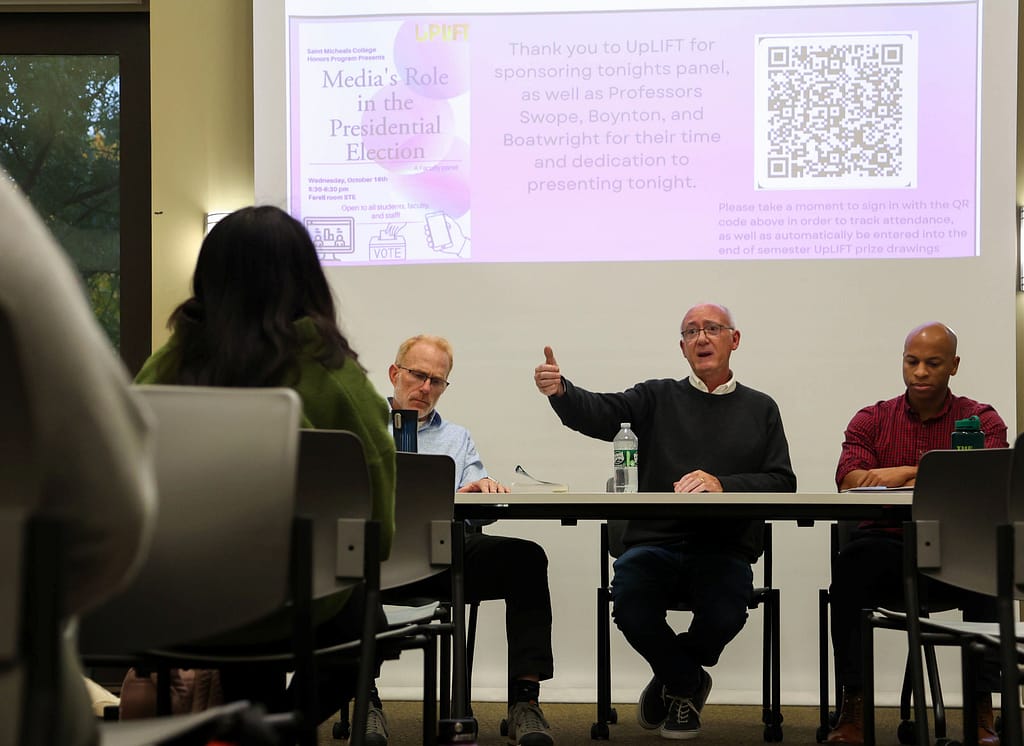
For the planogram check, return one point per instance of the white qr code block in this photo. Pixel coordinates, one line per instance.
(836, 111)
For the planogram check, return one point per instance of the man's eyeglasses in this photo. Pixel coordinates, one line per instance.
(710, 331)
(439, 384)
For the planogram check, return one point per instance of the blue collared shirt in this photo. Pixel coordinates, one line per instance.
(438, 436)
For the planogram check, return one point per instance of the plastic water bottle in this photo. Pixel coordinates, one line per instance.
(624, 449)
(968, 434)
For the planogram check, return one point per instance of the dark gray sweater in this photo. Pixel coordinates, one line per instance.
(738, 437)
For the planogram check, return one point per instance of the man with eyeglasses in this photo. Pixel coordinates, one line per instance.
(496, 567)
(881, 448)
(703, 433)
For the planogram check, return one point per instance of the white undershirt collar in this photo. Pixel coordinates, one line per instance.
(726, 388)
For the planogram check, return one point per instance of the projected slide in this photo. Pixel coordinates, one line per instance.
(813, 132)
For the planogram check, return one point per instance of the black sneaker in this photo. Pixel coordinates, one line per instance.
(376, 727)
(703, 690)
(683, 719)
(653, 708)
(527, 726)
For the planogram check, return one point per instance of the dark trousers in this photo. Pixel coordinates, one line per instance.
(867, 573)
(335, 683)
(649, 580)
(516, 570)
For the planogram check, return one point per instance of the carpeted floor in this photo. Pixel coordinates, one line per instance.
(723, 725)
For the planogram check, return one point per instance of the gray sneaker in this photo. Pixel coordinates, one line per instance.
(653, 708)
(683, 719)
(376, 727)
(527, 726)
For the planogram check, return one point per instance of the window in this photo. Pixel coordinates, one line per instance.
(75, 136)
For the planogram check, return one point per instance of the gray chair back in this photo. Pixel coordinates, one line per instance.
(13, 527)
(226, 470)
(1016, 506)
(19, 477)
(1016, 512)
(333, 489)
(424, 508)
(959, 499)
(19, 493)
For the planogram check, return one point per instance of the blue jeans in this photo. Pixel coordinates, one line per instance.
(649, 580)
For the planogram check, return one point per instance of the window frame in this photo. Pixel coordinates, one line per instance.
(126, 35)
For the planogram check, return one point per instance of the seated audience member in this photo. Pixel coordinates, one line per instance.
(703, 433)
(882, 446)
(497, 567)
(92, 439)
(261, 314)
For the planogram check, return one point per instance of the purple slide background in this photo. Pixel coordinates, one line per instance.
(513, 219)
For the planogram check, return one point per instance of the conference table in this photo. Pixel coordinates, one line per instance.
(803, 507)
(570, 507)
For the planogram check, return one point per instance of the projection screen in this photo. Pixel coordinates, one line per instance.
(578, 174)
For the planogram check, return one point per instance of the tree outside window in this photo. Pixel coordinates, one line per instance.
(60, 141)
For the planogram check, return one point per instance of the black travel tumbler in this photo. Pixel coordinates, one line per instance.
(403, 425)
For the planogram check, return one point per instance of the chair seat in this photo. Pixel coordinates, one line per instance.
(164, 729)
(959, 499)
(955, 626)
(402, 615)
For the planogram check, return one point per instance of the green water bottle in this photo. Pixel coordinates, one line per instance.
(968, 434)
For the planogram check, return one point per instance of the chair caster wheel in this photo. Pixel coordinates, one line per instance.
(503, 727)
(773, 733)
(905, 733)
(821, 734)
(599, 732)
(340, 731)
(613, 716)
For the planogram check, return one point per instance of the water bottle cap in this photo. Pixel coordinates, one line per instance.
(624, 425)
(969, 423)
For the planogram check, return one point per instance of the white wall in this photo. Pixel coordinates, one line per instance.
(823, 338)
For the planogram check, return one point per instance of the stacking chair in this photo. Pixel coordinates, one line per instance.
(339, 549)
(960, 497)
(1010, 588)
(424, 510)
(228, 548)
(839, 536)
(225, 470)
(765, 596)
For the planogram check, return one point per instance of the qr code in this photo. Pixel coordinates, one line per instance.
(836, 111)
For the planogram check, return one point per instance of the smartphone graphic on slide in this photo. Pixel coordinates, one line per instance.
(440, 236)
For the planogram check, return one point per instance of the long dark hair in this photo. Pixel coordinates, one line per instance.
(257, 273)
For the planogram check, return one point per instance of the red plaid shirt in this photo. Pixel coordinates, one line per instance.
(889, 433)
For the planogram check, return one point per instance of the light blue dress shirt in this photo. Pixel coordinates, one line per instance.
(438, 436)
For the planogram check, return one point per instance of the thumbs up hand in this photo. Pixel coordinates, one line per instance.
(548, 376)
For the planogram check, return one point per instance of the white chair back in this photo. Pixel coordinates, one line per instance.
(959, 499)
(334, 490)
(424, 508)
(226, 471)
